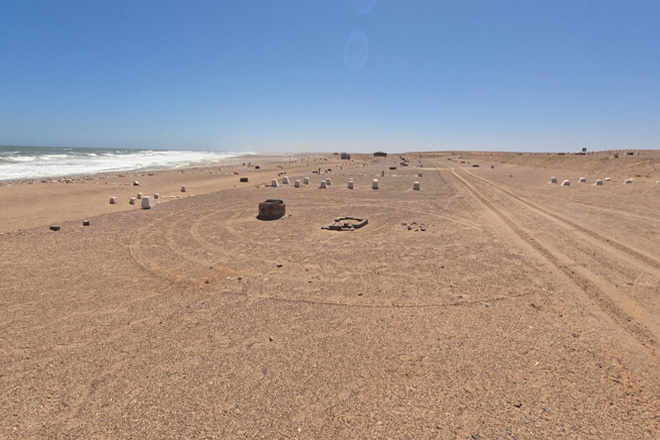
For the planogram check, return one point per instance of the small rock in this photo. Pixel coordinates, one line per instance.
(54, 228)
(85, 222)
(206, 282)
(279, 265)
(270, 338)
(517, 404)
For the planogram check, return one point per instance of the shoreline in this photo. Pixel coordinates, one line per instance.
(33, 203)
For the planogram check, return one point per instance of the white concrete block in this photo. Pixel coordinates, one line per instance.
(274, 183)
(416, 186)
(306, 180)
(132, 201)
(148, 202)
(113, 200)
(297, 183)
(566, 183)
(374, 184)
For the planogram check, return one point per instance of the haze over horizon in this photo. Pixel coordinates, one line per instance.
(328, 76)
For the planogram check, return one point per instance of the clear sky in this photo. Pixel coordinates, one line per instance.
(331, 75)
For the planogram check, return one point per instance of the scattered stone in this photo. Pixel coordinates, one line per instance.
(517, 404)
(54, 228)
(599, 182)
(628, 181)
(608, 179)
(583, 180)
(279, 265)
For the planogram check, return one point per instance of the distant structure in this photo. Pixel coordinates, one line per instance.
(345, 156)
(584, 151)
(380, 154)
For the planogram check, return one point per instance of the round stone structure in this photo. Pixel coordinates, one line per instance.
(271, 209)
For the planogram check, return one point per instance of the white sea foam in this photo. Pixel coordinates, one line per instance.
(32, 162)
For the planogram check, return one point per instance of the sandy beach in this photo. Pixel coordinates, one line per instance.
(488, 304)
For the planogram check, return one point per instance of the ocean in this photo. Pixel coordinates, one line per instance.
(42, 162)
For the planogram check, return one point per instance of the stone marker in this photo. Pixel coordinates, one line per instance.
(296, 184)
(628, 181)
(148, 202)
(566, 183)
(54, 228)
(136, 183)
(156, 196)
(553, 180)
(139, 196)
(306, 180)
(113, 200)
(416, 186)
(583, 180)
(350, 184)
(608, 179)
(285, 180)
(599, 182)
(85, 222)
(243, 179)
(374, 184)
(183, 188)
(419, 174)
(323, 184)
(274, 183)
(132, 201)
(328, 181)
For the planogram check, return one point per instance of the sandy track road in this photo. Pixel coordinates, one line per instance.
(620, 279)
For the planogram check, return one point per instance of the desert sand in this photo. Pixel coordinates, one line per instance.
(488, 304)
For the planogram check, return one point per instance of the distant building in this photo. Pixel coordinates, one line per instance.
(345, 156)
(380, 154)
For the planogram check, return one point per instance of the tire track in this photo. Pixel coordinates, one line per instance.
(641, 256)
(638, 321)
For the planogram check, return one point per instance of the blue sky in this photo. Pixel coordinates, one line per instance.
(329, 75)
